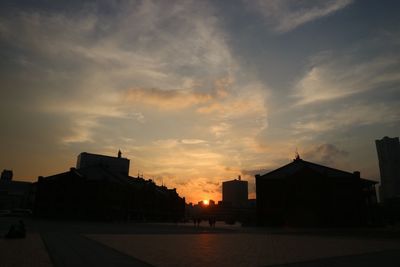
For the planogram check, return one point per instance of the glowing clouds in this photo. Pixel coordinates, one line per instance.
(166, 99)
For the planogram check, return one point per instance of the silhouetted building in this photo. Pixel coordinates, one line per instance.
(113, 164)
(302, 193)
(6, 175)
(235, 193)
(388, 150)
(211, 203)
(14, 194)
(100, 189)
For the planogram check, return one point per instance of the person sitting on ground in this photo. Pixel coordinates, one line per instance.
(16, 230)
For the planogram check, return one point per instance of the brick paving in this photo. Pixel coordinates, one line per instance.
(29, 251)
(239, 249)
(73, 250)
(62, 243)
(387, 258)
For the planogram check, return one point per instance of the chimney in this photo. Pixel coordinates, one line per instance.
(357, 174)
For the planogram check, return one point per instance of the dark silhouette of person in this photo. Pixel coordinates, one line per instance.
(212, 221)
(16, 230)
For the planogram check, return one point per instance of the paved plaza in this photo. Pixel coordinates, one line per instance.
(133, 244)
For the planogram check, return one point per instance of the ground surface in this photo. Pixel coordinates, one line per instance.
(51, 243)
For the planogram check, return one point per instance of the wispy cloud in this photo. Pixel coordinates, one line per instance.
(81, 131)
(166, 99)
(287, 15)
(348, 116)
(327, 154)
(157, 80)
(331, 77)
(101, 66)
(175, 86)
(193, 141)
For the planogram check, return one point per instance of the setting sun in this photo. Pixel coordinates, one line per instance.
(206, 202)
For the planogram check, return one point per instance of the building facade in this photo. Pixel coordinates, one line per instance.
(15, 194)
(105, 192)
(388, 150)
(235, 193)
(115, 164)
(302, 193)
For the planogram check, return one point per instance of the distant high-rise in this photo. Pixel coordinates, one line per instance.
(235, 192)
(389, 165)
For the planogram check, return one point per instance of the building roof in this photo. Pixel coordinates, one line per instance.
(299, 164)
(100, 155)
(15, 187)
(97, 173)
(235, 181)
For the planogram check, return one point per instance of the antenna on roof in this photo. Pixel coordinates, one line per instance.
(296, 155)
(119, 154)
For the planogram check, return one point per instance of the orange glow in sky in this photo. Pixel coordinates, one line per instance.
(206, 202)
(224, 106)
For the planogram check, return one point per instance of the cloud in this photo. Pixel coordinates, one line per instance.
(253, 172)
(193, 94)
(220, 129)
(81, 131)
(193, 141)
(170, 143)
(138, 116)
(213, 183)
(352, 115)
(157, 80)
(326, 154)
(166, 99)
(87, 61)
(240, 101)
(287, 15)
(166, 143)
(332, 77)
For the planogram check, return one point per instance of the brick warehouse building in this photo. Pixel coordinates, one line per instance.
(302, 193)
(101, 189)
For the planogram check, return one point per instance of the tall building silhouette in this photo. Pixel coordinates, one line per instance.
(235, 192)
(388, 150)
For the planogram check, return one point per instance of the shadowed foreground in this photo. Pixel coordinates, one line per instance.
(249, 249)
(390, 258)
(68, 249)
(132, 244)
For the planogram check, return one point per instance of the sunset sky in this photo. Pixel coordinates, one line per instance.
(198, 92)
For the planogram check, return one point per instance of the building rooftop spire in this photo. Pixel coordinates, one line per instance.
(296, 155)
